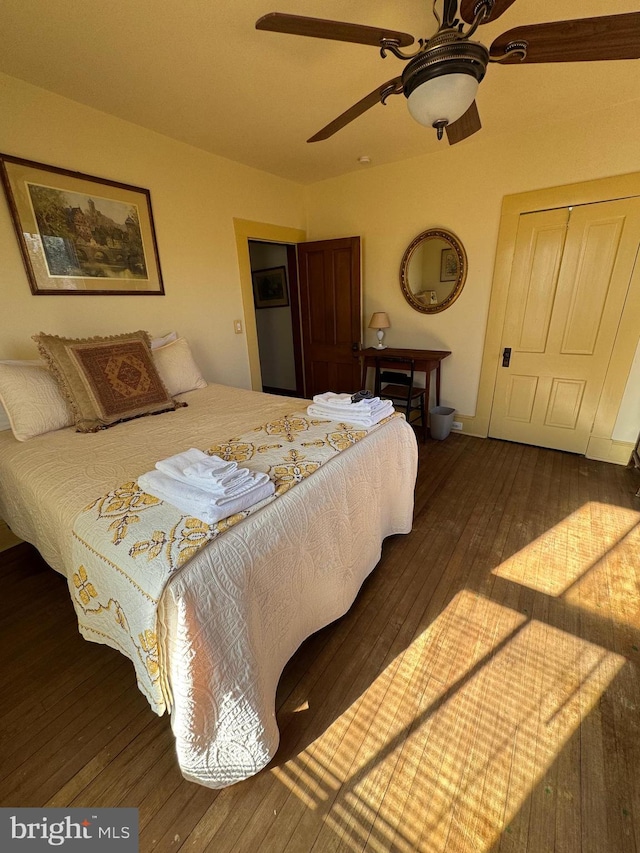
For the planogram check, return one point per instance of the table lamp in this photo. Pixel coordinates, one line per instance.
(380, 321)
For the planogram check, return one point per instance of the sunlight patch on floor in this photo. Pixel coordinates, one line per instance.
(610, 585)
(440, 752)
(570, 549)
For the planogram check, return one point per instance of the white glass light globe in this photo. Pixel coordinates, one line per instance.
(443, 98)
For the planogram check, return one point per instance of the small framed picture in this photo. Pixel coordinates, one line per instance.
(448, 265)
(270, 288)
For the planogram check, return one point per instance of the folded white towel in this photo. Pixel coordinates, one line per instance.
(348, 414)
(348, 409)
(384, 410)
(235, 487)
(178, 465)
(211, 468)
(198, 503)
(371, 411)
(342, 402)
(236, 482)
(332, 397)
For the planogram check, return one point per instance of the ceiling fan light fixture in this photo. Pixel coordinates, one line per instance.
(442, 99)
(441, 82)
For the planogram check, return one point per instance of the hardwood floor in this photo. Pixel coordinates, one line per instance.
(482, 694)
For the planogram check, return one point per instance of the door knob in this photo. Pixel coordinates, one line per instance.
(506, 356)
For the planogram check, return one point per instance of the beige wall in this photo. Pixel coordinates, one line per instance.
(461, 189)
(195, 197)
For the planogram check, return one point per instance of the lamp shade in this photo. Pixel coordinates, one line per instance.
(444, 98)
(379, 320)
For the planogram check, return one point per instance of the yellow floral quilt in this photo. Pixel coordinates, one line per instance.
(128, 544)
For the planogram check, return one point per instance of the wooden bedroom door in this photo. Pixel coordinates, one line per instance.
(329, 273)
(571, 272)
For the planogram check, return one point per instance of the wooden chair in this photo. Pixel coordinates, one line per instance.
(399, 388)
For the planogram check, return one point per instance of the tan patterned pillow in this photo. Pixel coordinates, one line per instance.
(106, 380)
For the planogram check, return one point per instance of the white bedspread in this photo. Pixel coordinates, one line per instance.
(240, 608)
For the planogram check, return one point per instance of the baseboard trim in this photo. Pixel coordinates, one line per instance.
(600, 449)
(608, 450)
(469, 426)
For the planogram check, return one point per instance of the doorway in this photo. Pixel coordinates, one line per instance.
(277, 316)
(330, 317)
(246, 230)
(307, 304)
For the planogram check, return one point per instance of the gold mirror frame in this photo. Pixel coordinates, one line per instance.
(461, 255)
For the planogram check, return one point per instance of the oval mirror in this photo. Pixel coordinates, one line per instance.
(433, 271)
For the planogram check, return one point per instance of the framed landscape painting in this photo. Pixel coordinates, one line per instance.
(81, 235)
(270, 288)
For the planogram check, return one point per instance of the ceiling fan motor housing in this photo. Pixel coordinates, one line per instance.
(444, 101)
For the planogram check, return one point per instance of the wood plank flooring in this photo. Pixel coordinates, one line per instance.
(481, 696)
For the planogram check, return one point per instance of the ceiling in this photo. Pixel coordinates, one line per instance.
(199, 71)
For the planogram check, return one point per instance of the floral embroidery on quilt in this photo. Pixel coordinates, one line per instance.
(123, 505)
(127, 544)
(146, 650)
(287, 426)
(293, 470)
(233, 450)
(86, 590)
(345, 437)
(265, 448)
(149, 644)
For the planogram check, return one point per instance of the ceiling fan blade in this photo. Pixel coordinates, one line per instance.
(468, 10)
(391, 86)
(320, 28)
(581, 40)
(465, 126)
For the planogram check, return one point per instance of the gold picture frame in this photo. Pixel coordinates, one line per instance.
(81, 235)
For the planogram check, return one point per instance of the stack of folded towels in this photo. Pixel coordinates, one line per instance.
(340, 407)
(206, 487)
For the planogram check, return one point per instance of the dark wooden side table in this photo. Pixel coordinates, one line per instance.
(426, 360)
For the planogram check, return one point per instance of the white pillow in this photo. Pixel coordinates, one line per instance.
(156, 343)
(4, 419)
(176, 367)
(32, 399)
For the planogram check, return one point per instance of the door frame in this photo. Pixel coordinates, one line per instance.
(246, 230)
(601, 445)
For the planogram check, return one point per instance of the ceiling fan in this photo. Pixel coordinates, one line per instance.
(441, 78)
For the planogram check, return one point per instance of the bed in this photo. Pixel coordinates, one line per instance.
(237, 610)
